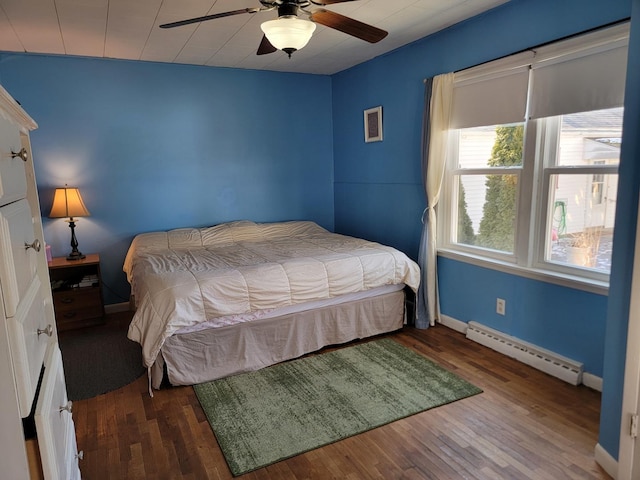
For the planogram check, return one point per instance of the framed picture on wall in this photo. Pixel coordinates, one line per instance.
(373, 125)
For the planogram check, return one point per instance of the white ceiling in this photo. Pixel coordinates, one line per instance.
(128, 29)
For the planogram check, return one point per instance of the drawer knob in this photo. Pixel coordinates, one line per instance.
(48, 331)
(68, 407)
(35, 245)
(69, 314)
(67, 300)
(21, 154)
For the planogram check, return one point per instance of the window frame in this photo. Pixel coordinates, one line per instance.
(548, 167)
(562, 66)
(450, 189)
(540, 150)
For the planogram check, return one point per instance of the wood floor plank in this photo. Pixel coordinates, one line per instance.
(525, 425)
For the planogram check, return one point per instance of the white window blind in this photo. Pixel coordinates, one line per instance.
(584, 73)
(580, 74)
(491, 94)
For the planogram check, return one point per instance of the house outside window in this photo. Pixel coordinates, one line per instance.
(598, 185)
(538, 194)
(584, 173)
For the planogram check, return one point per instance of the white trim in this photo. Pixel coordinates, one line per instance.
(606, 461)
(116, 307)
(556, 278)
(546, 361)
(494, 68)
(601, 40)
(582, 170)
(453, 324)
(592, 381)
(628, 450)
(13, 112)
(588, 379)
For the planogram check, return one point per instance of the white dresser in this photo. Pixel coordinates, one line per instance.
(29, 352)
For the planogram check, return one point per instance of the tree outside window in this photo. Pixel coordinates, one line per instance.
(497, 227)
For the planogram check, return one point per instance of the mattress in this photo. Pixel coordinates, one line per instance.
(187, 277)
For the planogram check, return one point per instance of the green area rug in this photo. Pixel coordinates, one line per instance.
(281, 411)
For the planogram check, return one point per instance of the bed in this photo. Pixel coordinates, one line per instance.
(217, 301)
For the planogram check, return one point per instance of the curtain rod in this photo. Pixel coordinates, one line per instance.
(584, 32)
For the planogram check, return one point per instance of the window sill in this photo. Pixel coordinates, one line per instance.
(548, 276)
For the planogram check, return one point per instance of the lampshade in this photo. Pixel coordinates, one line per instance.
(67, 202)
(288, 33)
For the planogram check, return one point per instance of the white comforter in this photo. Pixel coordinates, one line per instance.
(183, 277)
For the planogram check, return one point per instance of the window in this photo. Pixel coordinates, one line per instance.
(539, 193)
(487, 179)
(581, 176)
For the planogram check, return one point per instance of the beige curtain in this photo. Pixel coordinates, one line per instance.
(438, 101)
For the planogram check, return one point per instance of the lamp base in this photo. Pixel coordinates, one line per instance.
(75, 255)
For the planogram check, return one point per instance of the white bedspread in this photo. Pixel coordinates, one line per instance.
(188, 276)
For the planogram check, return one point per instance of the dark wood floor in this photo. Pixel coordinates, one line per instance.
(526, 425)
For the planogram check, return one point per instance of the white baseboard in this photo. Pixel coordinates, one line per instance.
(116, 307)
(606, 461)
(453, 324)
(588, 379)
(591, 381)
(564, 368)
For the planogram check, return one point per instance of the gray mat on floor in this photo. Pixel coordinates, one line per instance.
(98, 360)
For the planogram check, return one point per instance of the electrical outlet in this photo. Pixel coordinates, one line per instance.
(501, 306)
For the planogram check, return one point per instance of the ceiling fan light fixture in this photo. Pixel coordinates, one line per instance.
(288, 33)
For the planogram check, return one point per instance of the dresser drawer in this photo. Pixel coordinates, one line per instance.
(67, 300)
(78, 307)
(18, 265)
(29, 336)
(13, 179)
(54, 421)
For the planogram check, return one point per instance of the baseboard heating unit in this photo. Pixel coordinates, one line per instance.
(560, 367)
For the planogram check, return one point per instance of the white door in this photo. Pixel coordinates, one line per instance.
(629, 456)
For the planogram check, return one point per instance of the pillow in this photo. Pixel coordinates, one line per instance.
(231, 232)
(184, 238)
(247, 231)
(289, 229)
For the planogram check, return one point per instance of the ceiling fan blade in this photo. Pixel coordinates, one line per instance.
(348, 25)
(265, 47)
(329, 2)
(209, 17)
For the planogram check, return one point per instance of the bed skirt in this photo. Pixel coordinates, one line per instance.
(206, 355)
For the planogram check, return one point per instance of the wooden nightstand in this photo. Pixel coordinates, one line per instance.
(77, 292)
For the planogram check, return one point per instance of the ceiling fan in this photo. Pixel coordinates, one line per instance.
(289, 32)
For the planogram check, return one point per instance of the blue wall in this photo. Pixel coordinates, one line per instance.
(623, 250)
(157, 146)
(378, 188)
(564, 320)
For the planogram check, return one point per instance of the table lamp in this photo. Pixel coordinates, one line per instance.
(67, 202)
